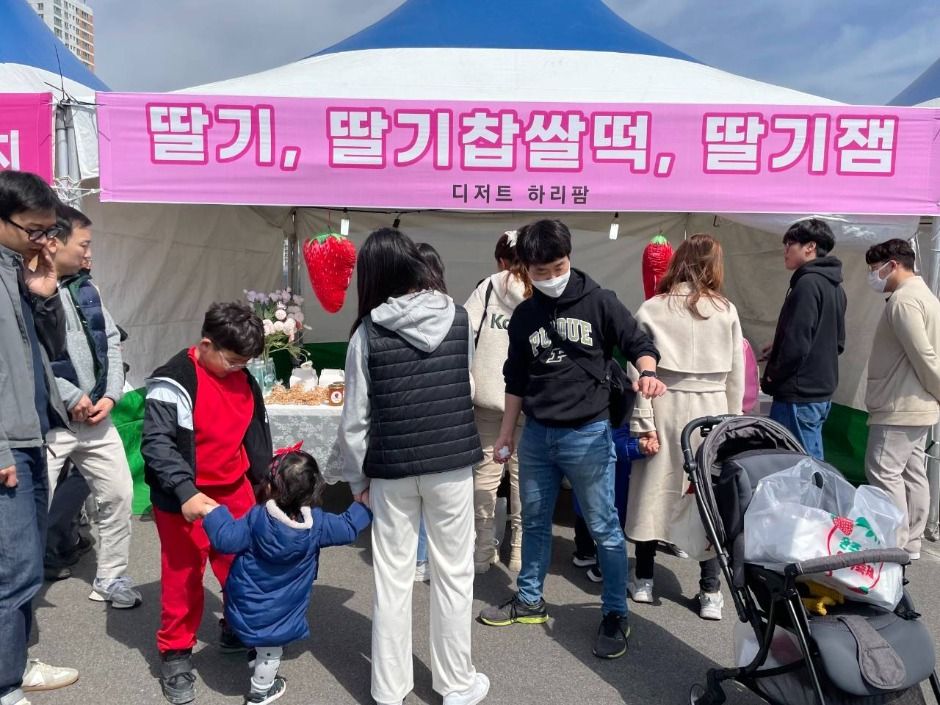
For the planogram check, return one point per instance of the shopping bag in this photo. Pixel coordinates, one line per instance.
(811, 511)
(686, 529)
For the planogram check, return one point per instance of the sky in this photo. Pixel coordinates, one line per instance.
(855, 51)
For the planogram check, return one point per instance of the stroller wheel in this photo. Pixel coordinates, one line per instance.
(695, 693)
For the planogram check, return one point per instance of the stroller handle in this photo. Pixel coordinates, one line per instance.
(847, 560)
(704, 423)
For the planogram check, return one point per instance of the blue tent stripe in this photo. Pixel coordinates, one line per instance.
(587, 25)
(25, 39)
(925, 87)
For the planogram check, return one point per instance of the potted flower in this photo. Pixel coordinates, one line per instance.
(283, 320)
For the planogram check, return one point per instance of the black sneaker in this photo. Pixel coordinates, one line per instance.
(229, 643)
(583, 560)
(274, 692)
(52, 573)
(611, 641)
(176, 676)
(594, 574)
(514, 611)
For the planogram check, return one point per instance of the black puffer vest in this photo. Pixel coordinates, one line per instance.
(422, 414)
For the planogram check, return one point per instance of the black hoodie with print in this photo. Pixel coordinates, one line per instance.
(556, 391)
(804, 362)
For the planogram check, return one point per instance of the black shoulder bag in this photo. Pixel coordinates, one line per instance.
(622, 398)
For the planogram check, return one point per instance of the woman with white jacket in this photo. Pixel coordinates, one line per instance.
(698, 335)
(490, 307)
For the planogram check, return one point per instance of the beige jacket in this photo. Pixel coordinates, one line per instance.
(696, 354)
(904, 367)
(493, 346)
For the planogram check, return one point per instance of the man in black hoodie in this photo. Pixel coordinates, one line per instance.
(802, 370)
(567, 431)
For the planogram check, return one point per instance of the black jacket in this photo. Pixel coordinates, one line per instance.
(556, 391)
(804, 362)
(168, 443)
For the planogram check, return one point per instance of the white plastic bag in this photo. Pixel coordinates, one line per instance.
(811, 511)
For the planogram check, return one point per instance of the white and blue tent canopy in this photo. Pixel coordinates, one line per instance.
(33, 60)
(924, 91)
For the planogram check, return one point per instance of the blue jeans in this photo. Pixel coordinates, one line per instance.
(586, 457)
(23, 536)
(805, 421)
(422, 542)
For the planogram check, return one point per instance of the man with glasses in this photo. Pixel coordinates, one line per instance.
(32, 330)
(903, 395)
(205, 437)
(90, 377)
(802, 370)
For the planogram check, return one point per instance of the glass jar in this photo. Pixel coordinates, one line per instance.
(337, 394)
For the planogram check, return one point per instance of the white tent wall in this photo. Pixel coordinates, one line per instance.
(160, 266)
(466, 242)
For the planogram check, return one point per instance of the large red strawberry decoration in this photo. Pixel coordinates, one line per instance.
(330, 261)
(656, 258)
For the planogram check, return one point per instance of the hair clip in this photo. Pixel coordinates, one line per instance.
(288, 449)
(511, 237)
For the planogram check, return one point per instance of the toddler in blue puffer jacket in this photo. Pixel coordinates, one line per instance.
(277, 548)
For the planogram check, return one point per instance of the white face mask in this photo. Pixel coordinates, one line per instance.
(875, 281)
(553, 287)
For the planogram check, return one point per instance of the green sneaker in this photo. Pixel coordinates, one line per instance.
(515, 611)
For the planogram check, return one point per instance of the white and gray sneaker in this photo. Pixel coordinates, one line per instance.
(119, 592)
(641, 589)
(472, 695)
(710, 604)
(422, 572)
(41, 676)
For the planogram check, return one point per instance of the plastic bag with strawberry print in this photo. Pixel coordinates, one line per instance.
(811, 511)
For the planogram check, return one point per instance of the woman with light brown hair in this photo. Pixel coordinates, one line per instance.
(698, 334)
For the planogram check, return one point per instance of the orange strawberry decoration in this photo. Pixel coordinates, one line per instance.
(330, 261)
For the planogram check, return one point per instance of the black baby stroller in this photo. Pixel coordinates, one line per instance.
(862, 655)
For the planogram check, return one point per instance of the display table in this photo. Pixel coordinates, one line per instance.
(316, 426)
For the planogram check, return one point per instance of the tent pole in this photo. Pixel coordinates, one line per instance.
(293, 258)
(933, 463)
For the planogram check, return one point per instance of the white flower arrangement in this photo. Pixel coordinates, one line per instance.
(283, 320)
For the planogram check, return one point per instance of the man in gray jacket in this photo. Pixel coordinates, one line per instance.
(32, 328)
(90, 378)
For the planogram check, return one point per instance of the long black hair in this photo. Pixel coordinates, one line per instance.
(388, 265)
(432, 258)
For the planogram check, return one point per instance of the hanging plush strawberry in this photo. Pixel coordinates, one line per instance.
(656, 258)
(330, 260)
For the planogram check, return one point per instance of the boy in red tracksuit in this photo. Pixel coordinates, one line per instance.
(205, 436)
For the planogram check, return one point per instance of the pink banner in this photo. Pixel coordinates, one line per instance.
(519, 156)
(26, 133)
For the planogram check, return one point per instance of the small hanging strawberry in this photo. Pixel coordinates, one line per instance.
(330, 261)
(656, 258)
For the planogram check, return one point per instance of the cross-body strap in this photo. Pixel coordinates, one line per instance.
(571, 352)
(486, 303)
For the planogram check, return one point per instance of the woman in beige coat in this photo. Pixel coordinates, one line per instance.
(698, 334)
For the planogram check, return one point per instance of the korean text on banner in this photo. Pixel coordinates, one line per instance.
(522, 156)
(26, 133)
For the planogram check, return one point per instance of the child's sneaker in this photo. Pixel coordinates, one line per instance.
(583, 560)
(120, 593)
(472, 695)
(710, 604)
(176, 676)
(422, 572)
(274, 692)
(514, 611)
(594, 574)
(41, 676)
(641, 589)
(229, 643)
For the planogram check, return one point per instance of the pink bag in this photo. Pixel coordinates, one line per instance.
(751, 379)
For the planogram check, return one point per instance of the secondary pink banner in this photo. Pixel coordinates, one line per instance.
(518, 156)
(26, 133)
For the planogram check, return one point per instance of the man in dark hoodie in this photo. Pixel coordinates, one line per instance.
(802, 370)
(567, 430)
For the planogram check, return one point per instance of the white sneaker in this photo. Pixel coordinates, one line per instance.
(119, 592)
(42, 676)
(915, 556)
(472, 695)
(641, 590)
(422, 572)
(710, 604)
(22, 701)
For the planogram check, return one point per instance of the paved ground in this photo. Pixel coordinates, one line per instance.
(670, 649)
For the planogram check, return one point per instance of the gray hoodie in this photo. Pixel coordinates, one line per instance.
(423, 320)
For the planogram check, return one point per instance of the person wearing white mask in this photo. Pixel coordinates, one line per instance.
(561, 342)
(903, 386)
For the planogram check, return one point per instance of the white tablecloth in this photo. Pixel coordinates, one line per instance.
(316, 426)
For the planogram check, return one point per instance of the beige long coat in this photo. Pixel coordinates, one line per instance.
(702, 363)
